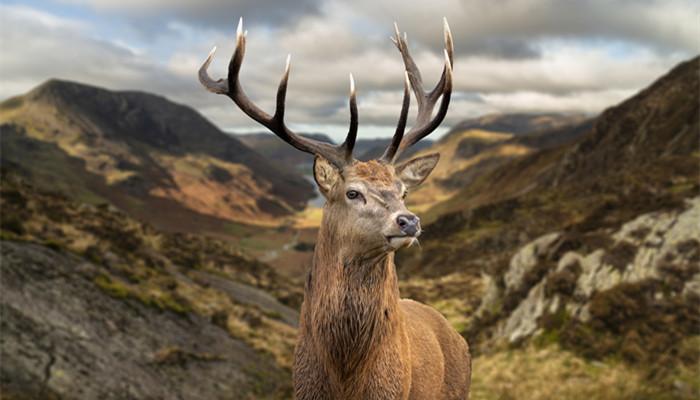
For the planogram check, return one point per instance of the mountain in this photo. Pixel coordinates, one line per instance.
(160, 161)
(369, 149)
(98, 305)
(273, 148)
(472, 148)
(517, 123)
(588, 247)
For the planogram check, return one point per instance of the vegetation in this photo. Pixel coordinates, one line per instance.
(543, 373)
(169, 272)
(644, 332)
(137, 151)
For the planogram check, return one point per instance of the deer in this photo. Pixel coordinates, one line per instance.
(357, 338)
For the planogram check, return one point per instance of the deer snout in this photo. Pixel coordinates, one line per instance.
(409, 224)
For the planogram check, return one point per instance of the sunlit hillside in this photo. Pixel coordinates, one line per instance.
(474, 147)
(161, 161)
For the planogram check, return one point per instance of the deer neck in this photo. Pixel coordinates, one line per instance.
(351, 303)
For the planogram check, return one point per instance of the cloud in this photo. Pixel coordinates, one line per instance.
(37, 46)
(662, 25)
(529, 55)
(205, 13)
(495, 28)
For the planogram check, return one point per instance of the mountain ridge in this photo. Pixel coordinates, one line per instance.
(149, 152)
(587, 245)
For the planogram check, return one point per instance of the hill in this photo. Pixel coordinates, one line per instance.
(160, 161)
(370, 149)
(473, 148)
(97, 305)
(273, 148)
(517, 123)
(588, 247)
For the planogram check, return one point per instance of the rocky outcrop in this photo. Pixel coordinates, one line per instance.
(659, 247)
(526, 260)
(65, 338)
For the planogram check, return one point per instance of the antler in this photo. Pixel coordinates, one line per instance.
(425, 123)
(340, 155)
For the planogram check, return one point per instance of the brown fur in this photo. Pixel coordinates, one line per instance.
(357, 338)
(372, 171)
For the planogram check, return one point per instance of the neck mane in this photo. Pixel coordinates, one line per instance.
(352, 304)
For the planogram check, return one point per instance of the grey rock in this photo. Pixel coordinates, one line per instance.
(652, 242)
(527, 258)
(63, 337)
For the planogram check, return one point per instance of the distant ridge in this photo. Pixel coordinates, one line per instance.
(274, 148)
(518, 123)
(159, 160)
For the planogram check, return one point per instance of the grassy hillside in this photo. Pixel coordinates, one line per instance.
(160, 161)
(517, 123)
(226, 315)
(588, 247)
(473, 148)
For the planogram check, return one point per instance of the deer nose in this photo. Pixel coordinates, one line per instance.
(408, 224)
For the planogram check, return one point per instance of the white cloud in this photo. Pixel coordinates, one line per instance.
(48, 21)
(533, 55)
(662, 24)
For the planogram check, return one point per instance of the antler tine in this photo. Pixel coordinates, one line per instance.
(390, 151)
(231, 87)
(349, 143)
(425, 122)
(449, 48)
(411, 68)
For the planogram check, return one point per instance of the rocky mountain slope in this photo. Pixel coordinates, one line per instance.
(160, 161)
(591, 246)
(97, 305)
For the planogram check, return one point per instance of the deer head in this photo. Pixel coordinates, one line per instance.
(365, 207)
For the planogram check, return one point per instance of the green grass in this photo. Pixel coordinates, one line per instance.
(160, 300)
(112, 287)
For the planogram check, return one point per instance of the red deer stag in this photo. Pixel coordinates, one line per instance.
(357, 338)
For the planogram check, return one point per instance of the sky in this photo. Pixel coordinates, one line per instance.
(510, 55)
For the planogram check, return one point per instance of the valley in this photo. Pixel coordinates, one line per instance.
(564, 247)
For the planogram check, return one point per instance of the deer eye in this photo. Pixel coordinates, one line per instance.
(352, 194)
(405, 193)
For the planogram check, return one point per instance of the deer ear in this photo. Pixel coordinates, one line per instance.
(325, 174)
(413, 172)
